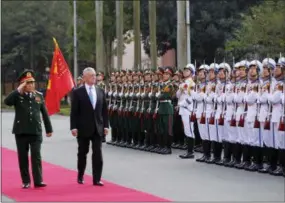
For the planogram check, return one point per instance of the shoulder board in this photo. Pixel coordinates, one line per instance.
(39, 93)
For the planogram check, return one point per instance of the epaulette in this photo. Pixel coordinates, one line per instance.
(39, 92)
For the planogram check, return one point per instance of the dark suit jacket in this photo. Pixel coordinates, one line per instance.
(84, 118)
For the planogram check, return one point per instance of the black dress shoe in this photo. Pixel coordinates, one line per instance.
(188, 155)
(254, 167)
(80, 181)
(26, 185)
(98, 183)
(277, 172)
(201, 159)
(38, 185)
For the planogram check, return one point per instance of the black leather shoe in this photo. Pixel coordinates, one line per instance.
(254, 167)
(26, 185)
(38, 185)
(80, 181)
(219, 162)
(188, 155)
(277, 172)
(202, 159)
(98, 183)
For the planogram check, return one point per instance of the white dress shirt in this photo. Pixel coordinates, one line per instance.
(93, 92)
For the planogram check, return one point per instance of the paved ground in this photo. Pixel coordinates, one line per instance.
(164, 176)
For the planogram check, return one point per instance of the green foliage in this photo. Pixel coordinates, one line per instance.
(212, 23)
(27, 31)
(86, 27)
(262, 32)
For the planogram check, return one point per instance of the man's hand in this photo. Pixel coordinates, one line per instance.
(21, 87)
(49, 134)
(106, 131)
(74, 132)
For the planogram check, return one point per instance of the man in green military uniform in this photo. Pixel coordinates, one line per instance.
(165, 112)
(100, 81)
(29, 105)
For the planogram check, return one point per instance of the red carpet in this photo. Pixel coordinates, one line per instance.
(62, 186)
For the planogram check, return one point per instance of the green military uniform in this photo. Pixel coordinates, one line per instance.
(118, 110)
(111, 88)
(113, 109)
(28, 129)
(154, 111)
(103, 86)
(165, 113)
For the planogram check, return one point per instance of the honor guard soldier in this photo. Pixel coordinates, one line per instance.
(111, 99)
(200, 97)
(251, 123)
(133, 109)
(29, 105)
(115, 106)
(100, 80)
(165, 112)
(124, 124)
(242, 146)
(79, 81)
(178, 133)
(146, 101)
(157, 80)
(277, 118)
(264, 116)
(185, 95)
(120, 99)
(210, 113)
(230, 132)
(224, 72)
(126, 114)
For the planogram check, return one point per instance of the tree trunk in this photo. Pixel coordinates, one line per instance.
(137, 35)
(99, 36)
(181, 35)
(119, 32)
(152, 31)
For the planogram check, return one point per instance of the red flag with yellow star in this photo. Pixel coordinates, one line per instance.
(60, 81)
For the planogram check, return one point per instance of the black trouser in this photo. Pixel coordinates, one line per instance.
(97, 159)
(25, 142)
(198, 140)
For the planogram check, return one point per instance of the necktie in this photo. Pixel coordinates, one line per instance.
(91, 96)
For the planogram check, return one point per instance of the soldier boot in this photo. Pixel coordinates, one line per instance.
(206, 151)
(189, 153)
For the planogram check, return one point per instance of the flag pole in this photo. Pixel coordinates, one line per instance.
(75, 40)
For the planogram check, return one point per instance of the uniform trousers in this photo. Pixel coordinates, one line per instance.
(231, 133)
(253, 136)
(203, 129)
(188, 127)
(25, 142)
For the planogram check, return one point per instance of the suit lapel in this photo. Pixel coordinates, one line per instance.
(98, 95)
(86, 95)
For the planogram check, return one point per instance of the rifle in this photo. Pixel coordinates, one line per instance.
(138, 101)
(121, 101)
(129, 109)
(221, 119)
(267, 120)
(142, 97)
(157, 101)
(193, 115)
(282, 119)
(256, 122)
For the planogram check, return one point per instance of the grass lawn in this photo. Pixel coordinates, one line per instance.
(64, 110)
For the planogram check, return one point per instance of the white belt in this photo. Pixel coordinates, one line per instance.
(164, 101)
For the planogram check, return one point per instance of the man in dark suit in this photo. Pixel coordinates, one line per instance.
(29, 106)
(89, 123)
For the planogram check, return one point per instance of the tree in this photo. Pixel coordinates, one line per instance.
(27, 31)
(262, 32)
(212, 23)
(87, 29)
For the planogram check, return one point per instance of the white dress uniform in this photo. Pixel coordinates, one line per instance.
(211, 105)
(242, 145)
(185, 95)
(185, 103)
(200, 98)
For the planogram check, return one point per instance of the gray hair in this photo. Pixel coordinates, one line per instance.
(88, 70)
